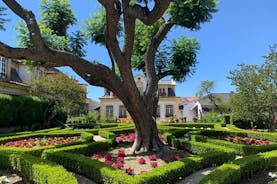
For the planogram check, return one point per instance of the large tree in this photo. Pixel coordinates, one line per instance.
(256, 92)
(132, 33)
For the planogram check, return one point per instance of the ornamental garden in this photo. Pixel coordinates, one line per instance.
(59, 155)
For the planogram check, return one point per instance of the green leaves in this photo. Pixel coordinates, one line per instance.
(256, 88)
(57, 16)
(191, 13)
(2, 19)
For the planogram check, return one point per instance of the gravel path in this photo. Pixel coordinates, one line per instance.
(97, 138)
(196, 176)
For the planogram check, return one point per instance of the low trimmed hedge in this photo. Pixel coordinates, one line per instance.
(87, 149)
(35, 169)
(106, 134)
(233, 172)
(102, 173)
(191, 125)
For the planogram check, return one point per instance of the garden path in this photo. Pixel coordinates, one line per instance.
(196, 176)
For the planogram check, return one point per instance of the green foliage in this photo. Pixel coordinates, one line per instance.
(21, 110)
(62, 93)
(35, 169)
(191, 13)
(94, 29)
(2, 19)
(256, 98)
(106, 134)
(57, 16)
(213, 117)
(76, 43)
(232, 172)
(143, 37)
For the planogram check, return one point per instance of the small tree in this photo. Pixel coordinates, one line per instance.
(62, 93)
(207, 89)
(256, 91)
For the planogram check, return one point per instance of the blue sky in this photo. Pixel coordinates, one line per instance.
(240, 32)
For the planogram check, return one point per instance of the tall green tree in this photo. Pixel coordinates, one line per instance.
(126, 52)
(62, 93)
(2, 19)
(256, 91)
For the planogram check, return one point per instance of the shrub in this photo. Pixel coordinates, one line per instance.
(21, 110)
(35, 169)
(232, 172)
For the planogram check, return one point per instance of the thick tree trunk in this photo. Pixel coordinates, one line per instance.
(147, 137)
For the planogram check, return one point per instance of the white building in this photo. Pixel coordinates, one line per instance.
(168, 106)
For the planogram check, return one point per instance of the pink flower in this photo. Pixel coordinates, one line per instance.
(118, 165)
(154, 164)
(108, 157)
(152, 157)
(120, 159)
(121, 153)
(108, 162)
(95, 157)
(141, 160)
(174, 158)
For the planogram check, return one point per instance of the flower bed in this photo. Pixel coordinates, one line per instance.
(38, 142)
(136, 164)
(245, 140)
(130, 138)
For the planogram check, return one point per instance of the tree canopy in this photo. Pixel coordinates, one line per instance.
(255, 99)
(62, 93)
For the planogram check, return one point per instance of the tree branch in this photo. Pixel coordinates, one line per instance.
(31, 22)
(150, 56)
(129, 32)
(145, 15)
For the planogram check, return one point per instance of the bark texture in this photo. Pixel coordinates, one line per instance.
(141, 108)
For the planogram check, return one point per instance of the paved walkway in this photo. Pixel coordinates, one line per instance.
(196, 176)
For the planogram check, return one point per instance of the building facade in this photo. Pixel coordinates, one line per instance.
(168, 106)
(14, 77)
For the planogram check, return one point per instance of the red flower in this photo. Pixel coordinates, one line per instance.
(108, 162)
(129, 171)
(152, 157)
(174, 158)
(108, 157)
(154, 164)
(121, 153)
(120, 159)
(95, 157)
(118, 165)
(141, 160)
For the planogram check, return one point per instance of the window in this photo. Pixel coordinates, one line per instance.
(3, 69)
(122, 112)
(169, 110)
(162, 92)
(109, 110)
(107, 92)
(158, 111)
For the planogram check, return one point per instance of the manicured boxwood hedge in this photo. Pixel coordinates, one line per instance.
(102, 173)
(233, 172)
(21, 110)
(35, 169)
(191, 125)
